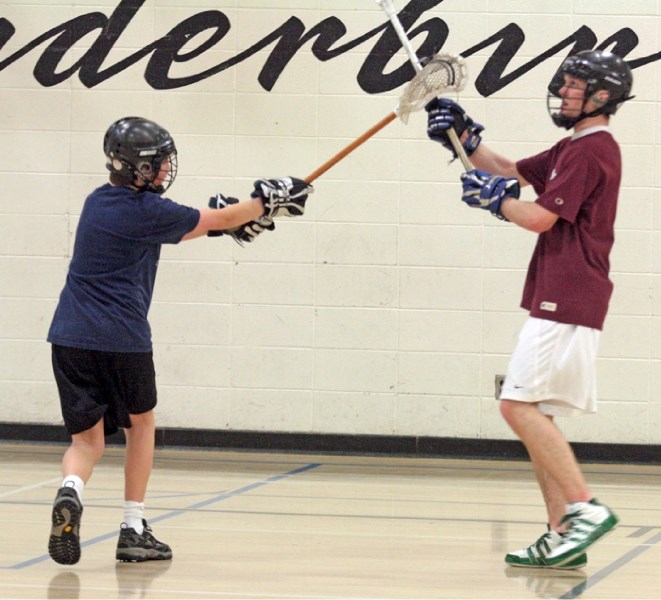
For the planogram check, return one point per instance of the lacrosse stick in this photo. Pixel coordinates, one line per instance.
(389, 9)
(443, 73)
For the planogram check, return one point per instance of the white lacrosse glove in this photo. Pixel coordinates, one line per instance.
(243, 233)
(282, 197)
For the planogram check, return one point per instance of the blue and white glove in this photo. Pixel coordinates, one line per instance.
(481, 189)
(282, 197)
(444, 114)
(243, 233)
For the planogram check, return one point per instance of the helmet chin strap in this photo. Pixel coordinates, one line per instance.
(594, 113)
(148, 183)
(568, 123)
(144, 175)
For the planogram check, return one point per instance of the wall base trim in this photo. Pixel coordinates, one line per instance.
(423, 446)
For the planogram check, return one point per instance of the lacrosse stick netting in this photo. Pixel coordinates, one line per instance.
(443, 73)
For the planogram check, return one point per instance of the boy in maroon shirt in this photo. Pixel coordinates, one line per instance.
(567, 288)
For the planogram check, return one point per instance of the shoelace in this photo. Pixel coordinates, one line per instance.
(543, 542)
(541, 548)
(150, 539)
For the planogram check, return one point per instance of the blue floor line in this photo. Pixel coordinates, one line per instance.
(614, 566)
(175, 513)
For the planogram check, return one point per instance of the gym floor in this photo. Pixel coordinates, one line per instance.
(259, 525)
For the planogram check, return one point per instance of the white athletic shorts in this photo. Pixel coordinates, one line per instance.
(553, 364)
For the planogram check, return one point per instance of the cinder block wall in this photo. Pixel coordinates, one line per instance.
(389, 307)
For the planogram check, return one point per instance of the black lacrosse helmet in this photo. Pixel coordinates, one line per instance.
(602, 70)
(135, 148)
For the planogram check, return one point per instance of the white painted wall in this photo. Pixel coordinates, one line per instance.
(387, 308)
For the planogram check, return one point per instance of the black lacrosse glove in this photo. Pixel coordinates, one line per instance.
(243, 233)
(220, 201)
(250, 230)
(282, 197)
(444, 114)
(483, 190)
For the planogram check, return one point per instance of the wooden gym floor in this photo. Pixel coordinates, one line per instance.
(257, 525)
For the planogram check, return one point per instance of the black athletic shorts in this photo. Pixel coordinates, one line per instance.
(109, 385)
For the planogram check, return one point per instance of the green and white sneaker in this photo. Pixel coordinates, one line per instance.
(534, 556)
(587, 522)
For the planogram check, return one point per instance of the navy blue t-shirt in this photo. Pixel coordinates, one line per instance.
(110, 283)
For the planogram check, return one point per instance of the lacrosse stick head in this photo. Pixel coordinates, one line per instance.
(442, 74)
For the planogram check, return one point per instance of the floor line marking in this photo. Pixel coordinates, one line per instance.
(177, 512)
(27, 488)
(593, 580)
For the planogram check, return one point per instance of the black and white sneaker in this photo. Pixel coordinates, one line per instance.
(135, 547)
(64, 541)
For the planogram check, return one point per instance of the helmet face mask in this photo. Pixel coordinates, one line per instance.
(569, 108)
(140, 154)
(600, 70)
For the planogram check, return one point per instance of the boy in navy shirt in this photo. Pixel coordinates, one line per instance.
(100, 335)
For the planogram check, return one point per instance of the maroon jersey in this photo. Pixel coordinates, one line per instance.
(578, 179)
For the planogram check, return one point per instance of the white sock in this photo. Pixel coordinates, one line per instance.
(556, 537)
(76, 483)
(133, 515)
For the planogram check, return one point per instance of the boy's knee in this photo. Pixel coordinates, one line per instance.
(143, 420)
(510, 409)
(94, 446)
(505, 408)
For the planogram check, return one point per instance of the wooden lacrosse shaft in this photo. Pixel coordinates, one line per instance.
(351, 147)
(389, 9)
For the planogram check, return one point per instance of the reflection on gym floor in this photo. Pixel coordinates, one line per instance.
(257, 525)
